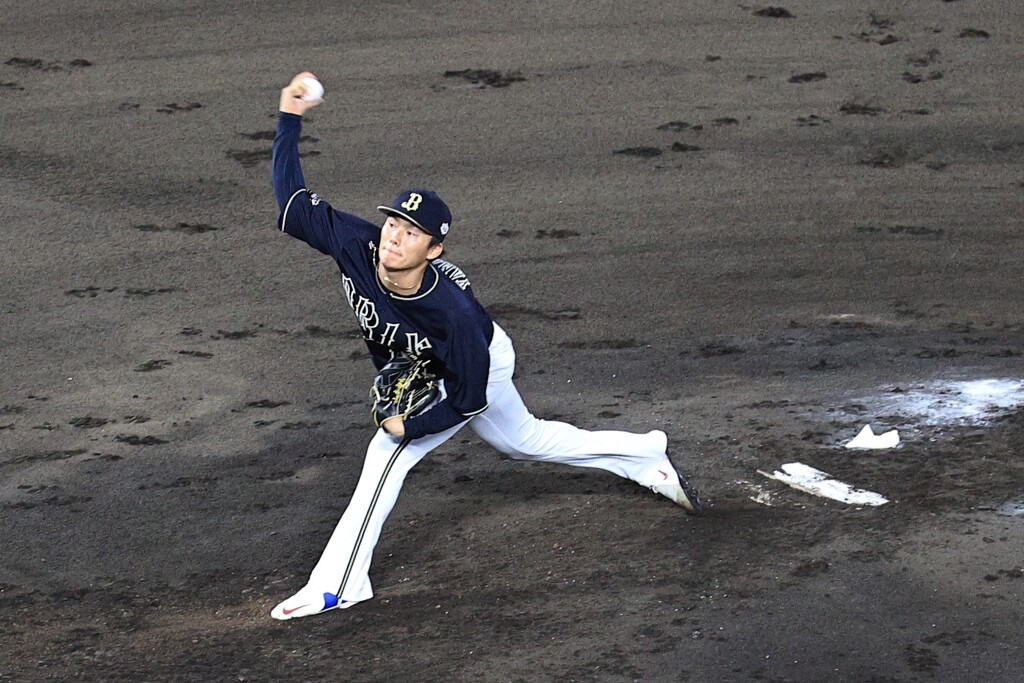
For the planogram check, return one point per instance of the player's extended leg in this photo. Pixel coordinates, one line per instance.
(508, 425)
(341, 577)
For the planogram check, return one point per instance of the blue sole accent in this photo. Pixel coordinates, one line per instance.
(330, 600)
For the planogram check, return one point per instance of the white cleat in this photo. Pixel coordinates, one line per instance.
(677, 488)
(306, 603)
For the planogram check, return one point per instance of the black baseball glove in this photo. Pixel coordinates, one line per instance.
(405, 387)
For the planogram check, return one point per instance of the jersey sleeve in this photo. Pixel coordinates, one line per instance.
(303, 214)
(469, 362)
(467, 367)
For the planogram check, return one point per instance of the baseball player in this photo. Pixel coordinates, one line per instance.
(408, 300)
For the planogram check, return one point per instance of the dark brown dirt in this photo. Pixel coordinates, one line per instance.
(182, 403)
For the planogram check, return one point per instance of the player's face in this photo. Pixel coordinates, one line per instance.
(404, 246)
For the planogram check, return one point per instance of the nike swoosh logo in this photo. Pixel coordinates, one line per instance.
(286, 611)
(663, 473)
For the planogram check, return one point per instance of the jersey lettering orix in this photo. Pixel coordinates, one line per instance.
(442, 321)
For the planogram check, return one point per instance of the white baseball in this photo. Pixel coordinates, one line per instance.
(314, 89)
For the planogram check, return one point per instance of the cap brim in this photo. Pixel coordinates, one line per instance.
(388, 211)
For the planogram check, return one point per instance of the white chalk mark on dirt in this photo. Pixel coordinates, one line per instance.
(809, 480)
(973, 402)
(761, 495)
(1012, 508)
(868, 439)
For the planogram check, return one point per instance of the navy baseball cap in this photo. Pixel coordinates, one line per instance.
(422, 208)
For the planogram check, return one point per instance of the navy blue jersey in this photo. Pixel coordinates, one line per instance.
(442, 321)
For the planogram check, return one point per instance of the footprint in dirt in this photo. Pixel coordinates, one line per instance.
(812, 120)
(921, 658)
(893, 159)
(928, 352)
(266, 403)
(280, 475)
(679, 126)
(810, 77)
(250, 158)
(915, 78)
(301, 424)
(36, 64)
(641, 152)
(859, 109)
(58, 501)
(712, 350)
(196, 354)
(29, 488)
(317, 332)
(916, 231)
(153, 365)
(90, 292)
(923, 59)
(48, 456)
(143, 292)
(760, 405)
(555, 233)
(809, 568)
(233, 335)
(485, 78)
(774, 13)
(179, 107)
(135, 440)
(878, 31)
(89, 422)
(106, 457)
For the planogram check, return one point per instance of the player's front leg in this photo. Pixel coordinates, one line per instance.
(341, 577)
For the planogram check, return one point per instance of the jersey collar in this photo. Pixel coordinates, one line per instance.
(429, 283)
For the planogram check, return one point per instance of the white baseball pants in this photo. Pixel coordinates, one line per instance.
(508, 426)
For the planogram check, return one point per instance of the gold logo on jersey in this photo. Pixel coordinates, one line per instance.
(413, 202)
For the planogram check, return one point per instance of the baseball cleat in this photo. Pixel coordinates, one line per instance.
(306, 603)
(679, 491)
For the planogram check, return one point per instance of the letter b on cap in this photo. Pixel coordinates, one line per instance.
(413, 202)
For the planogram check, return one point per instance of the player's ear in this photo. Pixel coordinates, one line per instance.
(435, 251)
